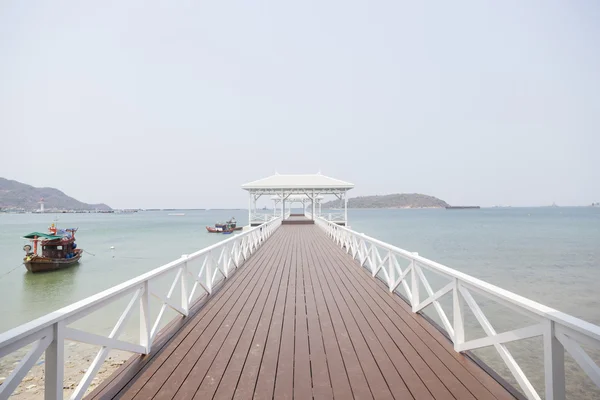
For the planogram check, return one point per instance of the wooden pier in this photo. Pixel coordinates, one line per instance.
(303, 307)
(301, 320)
(297, 220)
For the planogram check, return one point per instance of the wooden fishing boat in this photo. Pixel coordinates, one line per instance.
(58, 250)
(225, 227)
(221, 229)
(232, 223)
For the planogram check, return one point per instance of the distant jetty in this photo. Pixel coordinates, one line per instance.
(462, 207)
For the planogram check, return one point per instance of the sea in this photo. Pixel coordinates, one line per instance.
(547, 254)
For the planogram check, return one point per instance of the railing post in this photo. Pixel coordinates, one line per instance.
(391, 273)
(554, 364)
(414, 285)
(459, 318)
(184, 294)
(55, 364)
(373, 260)
(208, 272)
(224, 268)
(145, 317)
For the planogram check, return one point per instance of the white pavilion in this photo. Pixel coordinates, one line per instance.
(308, 190)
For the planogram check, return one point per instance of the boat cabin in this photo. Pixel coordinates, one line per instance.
(59, 248)
(53, 246)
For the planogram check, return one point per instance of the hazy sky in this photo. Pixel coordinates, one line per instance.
(178, 103)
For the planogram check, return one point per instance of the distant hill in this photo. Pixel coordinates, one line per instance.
(17, 195)
(402, 200)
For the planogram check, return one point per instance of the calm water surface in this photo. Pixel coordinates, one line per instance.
(142, 241)
(551, 255)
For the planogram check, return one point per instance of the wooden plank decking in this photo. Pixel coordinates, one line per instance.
(297, 219)
(302, 320)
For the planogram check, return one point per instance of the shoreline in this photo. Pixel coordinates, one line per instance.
(78, 358)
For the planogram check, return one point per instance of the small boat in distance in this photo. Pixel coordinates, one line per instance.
(177, 214)
(58, 250)
(226, 227)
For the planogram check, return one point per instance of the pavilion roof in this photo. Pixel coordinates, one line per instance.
(295, 197)
(306, 182)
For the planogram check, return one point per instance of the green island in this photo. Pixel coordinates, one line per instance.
(16, 196)
(400, 200)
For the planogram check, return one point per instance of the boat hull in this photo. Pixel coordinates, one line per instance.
(42, 264)
(215, 230)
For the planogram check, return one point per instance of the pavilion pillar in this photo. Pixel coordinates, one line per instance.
(282, 206)
(346, 207)
(313, 205)
(249, 208)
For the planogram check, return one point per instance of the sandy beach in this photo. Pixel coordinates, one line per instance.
(77, 359)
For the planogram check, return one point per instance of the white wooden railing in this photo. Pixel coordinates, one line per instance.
(49, 333)
(334, 216)
(261, 217)
(561, 332)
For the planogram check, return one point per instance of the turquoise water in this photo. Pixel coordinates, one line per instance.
(551, 255)
(142, 241)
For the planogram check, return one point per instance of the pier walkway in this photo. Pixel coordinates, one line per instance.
(302, 320)
(300, 306)
(297, 220)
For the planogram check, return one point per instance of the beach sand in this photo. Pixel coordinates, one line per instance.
(77, 359)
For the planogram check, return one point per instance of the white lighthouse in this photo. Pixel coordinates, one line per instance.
(42, 205)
